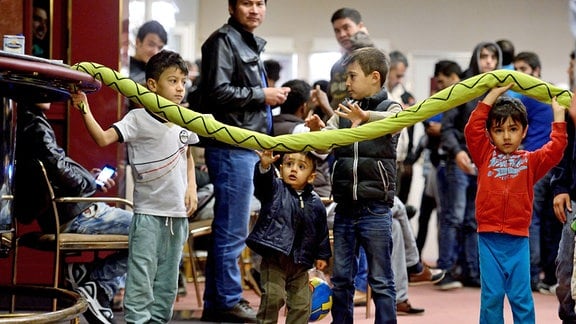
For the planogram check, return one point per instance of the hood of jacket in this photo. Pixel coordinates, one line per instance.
(474, 68)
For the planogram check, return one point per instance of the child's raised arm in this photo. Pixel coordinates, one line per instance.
(314, 122)
(494, 93)
(354, 113)
(559, 111)
(100, 136)
(267, 158)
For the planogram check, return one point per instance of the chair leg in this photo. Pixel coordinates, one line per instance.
(194, 269)
(14, 274)
(248, 281)
(368, 301)
(56, 276)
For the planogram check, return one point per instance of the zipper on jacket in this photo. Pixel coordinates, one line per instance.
(332, 173)
(383, 175)
(507, 191)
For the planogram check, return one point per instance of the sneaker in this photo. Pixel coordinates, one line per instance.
(209, 315)
(472, 282)
(76, 274)
(98, 304)
(426, 276)
(448, 283)
(359, 298)
(404, 308)
(553, 289)
(546, 289)
(240, 313)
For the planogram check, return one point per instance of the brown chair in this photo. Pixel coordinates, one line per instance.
(197, 228)
(246, 262)
(59, 243)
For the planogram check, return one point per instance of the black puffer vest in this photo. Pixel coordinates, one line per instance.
(366, 170)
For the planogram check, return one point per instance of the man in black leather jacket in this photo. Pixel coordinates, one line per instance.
(234, 90)
(35, 140)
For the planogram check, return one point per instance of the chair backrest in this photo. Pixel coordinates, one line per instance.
(50, 221)
(46, 223)
(35, 198)
(33, 195)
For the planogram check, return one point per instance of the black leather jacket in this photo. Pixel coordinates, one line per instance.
(231, 83)
(564, 174)
(289, 224)
(35, 140)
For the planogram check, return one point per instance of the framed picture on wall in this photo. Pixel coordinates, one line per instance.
(41, 28)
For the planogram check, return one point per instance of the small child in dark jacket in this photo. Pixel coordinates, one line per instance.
(291, 234)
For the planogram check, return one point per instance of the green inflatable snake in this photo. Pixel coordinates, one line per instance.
(207, 126)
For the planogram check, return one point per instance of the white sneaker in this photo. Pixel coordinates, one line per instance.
(76, 274)
(96, 312)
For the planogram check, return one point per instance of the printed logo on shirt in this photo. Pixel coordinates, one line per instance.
(184, 136)
(505, 166)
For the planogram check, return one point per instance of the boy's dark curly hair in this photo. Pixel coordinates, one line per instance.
(505, 107)
(163, 60)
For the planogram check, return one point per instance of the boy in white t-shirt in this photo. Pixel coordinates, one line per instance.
(164, 191)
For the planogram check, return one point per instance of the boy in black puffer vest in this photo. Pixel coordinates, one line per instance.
(363, 186)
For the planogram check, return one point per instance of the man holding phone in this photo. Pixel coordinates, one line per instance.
(107, 173)
(35, 140)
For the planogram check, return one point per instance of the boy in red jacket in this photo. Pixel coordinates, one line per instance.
(506, 178)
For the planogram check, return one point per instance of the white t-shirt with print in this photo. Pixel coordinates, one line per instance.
(157, 154)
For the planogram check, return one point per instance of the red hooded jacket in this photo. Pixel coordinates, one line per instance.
(506, 181)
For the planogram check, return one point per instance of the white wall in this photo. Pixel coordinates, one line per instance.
(425, 30)
(415, 26)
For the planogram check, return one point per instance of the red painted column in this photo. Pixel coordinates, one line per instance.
(95, 28)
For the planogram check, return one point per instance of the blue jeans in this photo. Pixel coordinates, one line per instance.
(399, 268)
(368, 225)
(404, 253)
(361, 279)
(534, 232)
(542, 208)
(109, 273)
(545, 233)
(457, 224)
(564, 269)
(231, 171)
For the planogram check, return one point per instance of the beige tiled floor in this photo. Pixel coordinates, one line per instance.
(459, 306)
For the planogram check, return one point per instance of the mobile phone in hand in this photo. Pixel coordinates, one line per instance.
(107, 172)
